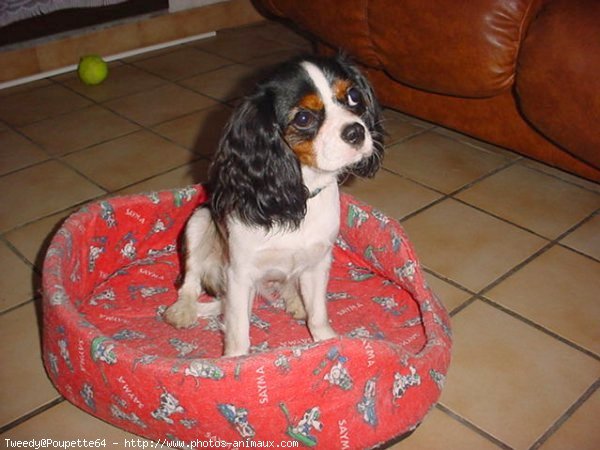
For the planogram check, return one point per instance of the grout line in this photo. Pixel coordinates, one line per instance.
(566, 416)
(35, 412)
(539, 327)
(17, 306)
(544, 249)
(470, 425)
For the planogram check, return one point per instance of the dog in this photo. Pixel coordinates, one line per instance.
(273, 214)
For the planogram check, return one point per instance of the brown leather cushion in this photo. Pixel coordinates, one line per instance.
(558, 82)
(465, 48)
(341, 24)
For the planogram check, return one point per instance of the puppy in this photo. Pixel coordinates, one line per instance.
(273, 214)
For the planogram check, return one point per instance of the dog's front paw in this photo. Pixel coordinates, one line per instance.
(322, 332)
(182, 313)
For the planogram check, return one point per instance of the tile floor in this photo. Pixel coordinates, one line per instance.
(510, 245)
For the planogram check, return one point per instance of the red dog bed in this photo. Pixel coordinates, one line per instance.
(113, 268)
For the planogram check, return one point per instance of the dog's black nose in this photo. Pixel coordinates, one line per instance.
(354, 134)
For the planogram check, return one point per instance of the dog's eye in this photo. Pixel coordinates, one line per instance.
(353, 97)
(303, 119)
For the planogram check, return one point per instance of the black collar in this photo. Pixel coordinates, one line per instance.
(317, 191)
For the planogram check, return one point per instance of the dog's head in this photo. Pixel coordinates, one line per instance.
(317, 113)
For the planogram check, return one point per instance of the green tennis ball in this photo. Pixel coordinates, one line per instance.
(92, 70)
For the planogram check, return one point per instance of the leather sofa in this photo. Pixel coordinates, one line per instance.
(521, 74)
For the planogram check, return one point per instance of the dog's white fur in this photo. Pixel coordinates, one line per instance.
(242, 261)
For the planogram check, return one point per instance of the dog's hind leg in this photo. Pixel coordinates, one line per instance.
(203, 271)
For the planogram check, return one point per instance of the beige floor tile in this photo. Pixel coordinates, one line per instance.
(199, 132)
(477, 143)
(25, 87)
(450, 295)
(397, 127)
(586, 238)
(193, 173)
(41, 190)
(129, 159)
(278, 32)
(241, 47)
(440, 162)
(510, 379)
(439, 431)
(559, 291)
(580, 431)
(24, 385)
(122, 80)
(17, 279)
(224, 84)
(414, 120)
(65, 422)
(38, 104)
(267, 63)
(468, 246)
(158, 105)
(73, 131)
(17, 152)
(538, 202)
(182, 63)
(33, 239)
(545, 168)
(394, 195)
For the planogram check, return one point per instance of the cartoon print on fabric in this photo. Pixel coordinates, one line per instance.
(127, 245)
(103, 350)
(183, 196)
(87, 394)
(389, 305)
(338, 374)
(128, 335)
(146, 291)
(63, 345)
(408, 270)
(97, 248)
(116, 410)
(102, 298)
(370, 255)
(183, 348)
(204, 369)
(438, 378)
(238, 417)
(403, 382)
(108, 214)
(53, 362)
(381, 218)
(366, 406)
(302, 430)
(356, 216)
(168, 406)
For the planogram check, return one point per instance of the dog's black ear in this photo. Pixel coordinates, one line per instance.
(372, 117)
(255, 176)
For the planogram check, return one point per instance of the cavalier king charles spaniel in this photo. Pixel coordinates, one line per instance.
(274, 209)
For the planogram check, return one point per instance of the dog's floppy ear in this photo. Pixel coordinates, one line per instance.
(255, 176)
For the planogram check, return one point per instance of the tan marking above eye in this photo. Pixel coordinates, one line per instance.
(312, 102)
(340, 89)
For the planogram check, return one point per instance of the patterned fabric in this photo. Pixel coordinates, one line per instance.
(113, 268)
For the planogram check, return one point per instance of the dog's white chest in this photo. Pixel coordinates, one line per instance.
(284, 253)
